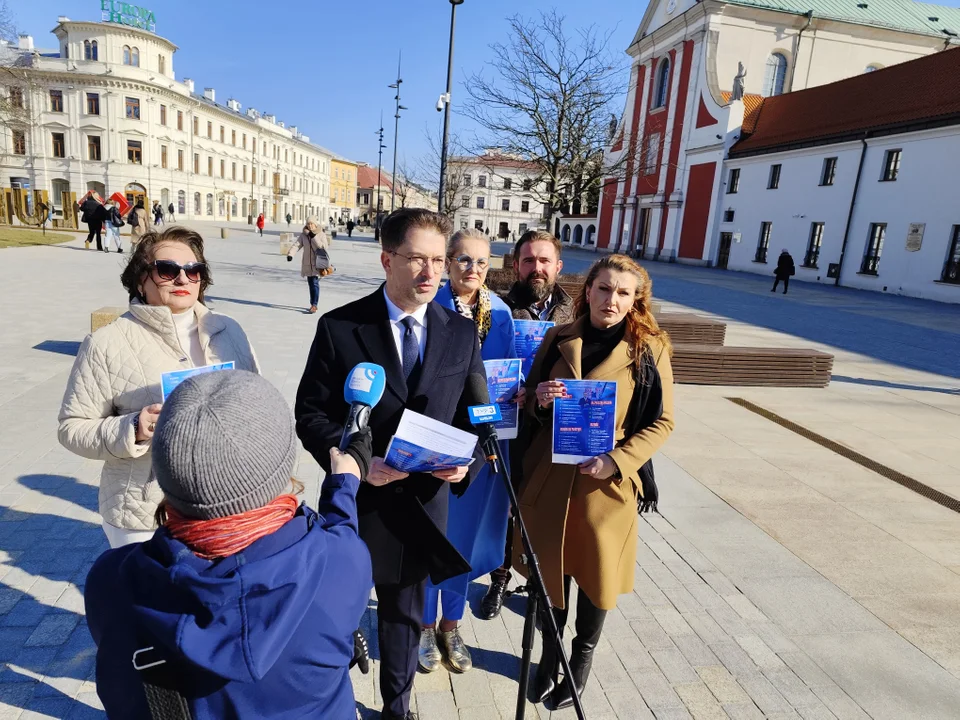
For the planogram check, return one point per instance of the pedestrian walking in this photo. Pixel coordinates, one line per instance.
(476, 521)
(137, 220)
(157, 214)
(785, 270)
(243, 604)
(170, 214)
(112, 225)
(350, 226)
(289, 219)
(260, 223)
(113, 398)
(92, 213)
(428, 352)
(583, 518)
(315, 246)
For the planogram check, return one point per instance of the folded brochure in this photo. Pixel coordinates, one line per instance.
(422, 444)
(503, 384)
(170, 380)
(584, 421)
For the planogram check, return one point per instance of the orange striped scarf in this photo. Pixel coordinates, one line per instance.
(222, 537)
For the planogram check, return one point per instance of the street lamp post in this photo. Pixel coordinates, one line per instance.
(376, 230)
(446, 108)
(396, 131)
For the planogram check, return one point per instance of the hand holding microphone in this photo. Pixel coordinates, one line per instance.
(363, 389)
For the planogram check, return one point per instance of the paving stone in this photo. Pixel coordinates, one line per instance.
(764, 694)
(743, 711)
(652, 635)
(671, 621)
(695, 650)
(806, 669)
(792, 688)
(705, 627)
(723, 685)
(674, 666)
(656, 691)
(734, 658)
(699, 701)
(628, 704)
(758, 651)
(840, 704)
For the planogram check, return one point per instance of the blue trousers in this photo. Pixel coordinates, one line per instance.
(314, 283)
(454, 605)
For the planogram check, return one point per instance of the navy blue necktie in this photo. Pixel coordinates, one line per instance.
(411, 349)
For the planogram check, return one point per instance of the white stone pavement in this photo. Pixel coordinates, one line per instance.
(781, 580)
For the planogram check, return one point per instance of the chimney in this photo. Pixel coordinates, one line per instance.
(233, 105)
(252, 113)
(63, 19)
(305, 138)
(189, 83)
(270, 118)
(25, 42)
(210, 94)
(281, 123)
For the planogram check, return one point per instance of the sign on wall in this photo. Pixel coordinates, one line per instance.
(130, 15)
(915, 236)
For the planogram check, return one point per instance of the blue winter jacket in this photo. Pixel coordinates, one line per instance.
(265, 633)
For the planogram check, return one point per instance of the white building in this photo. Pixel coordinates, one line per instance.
(498, 194)
(106, 112)
(858, 180)
(679, 120)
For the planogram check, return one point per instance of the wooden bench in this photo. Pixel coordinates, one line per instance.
(751, 366)
(687, 328)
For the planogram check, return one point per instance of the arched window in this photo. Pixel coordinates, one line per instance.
(93, 51)
(663, 84)
(209, 203)
(775, 75)
(135, 57)
(181, 202)
(126, 54)
(196, 204)
(86, 50)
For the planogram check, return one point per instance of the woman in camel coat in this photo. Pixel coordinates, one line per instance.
(310, 240)
(582, 519)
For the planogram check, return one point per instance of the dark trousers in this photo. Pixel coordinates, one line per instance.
(399, 621)
(503, 572)
(786, 284)
(95, 230)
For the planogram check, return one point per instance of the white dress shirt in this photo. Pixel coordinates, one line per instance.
(397, 315)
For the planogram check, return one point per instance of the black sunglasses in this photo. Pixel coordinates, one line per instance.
(169, 270)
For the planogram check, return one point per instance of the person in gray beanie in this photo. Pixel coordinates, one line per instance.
(245, 601)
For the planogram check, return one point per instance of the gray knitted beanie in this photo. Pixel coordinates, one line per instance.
(225, 444)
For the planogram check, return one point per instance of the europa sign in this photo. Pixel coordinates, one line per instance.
(126, 14)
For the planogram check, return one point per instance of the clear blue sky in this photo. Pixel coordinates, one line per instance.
(325, 66)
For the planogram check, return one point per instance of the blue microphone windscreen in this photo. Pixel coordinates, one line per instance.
(365, 384)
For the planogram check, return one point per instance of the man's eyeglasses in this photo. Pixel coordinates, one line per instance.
(169, 270)
(466, 263)
(420, 262)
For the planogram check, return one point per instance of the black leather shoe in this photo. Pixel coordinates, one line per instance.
(548, 670)
(492, 602)
(589, 626)
(361, 653)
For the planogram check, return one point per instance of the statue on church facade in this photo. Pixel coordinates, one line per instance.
(738, 82)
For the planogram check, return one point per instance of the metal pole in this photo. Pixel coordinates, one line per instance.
(446, 110)
(396, 130)
(376, 224)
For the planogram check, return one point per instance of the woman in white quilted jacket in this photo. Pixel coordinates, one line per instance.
(113, 396)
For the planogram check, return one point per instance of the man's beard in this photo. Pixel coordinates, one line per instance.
(533, 293)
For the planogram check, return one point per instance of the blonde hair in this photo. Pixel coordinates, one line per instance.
(641, 324)
(454, 242)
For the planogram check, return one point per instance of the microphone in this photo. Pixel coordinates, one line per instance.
(483, 415)
(363, 389)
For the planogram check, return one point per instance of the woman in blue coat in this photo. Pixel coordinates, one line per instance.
(477, 522)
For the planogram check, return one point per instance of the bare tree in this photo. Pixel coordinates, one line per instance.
(428, 170)
(546, 98)
(16, 117)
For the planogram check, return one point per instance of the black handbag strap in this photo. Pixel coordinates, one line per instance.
(160, 685)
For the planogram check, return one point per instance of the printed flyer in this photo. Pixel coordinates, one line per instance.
(528, 334)
(584, 420)
(170, 380)
(422, 444)
(503, 383)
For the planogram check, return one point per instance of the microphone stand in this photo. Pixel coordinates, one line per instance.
(536, 593)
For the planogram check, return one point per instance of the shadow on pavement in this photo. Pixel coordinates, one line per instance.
(893, 385)
(272, 306)
(61, 347)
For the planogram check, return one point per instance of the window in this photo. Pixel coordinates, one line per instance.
(525, 206)
(135, 57)
(196, 203)
(286, 155)
(812, 255)
(651, 154)
(126, 54)
(180, 161)
(661, 89)
(763, 243)
(775, 74)
(16, 97)
(521, 229)
(59, 145)
(93, 103)
(196, 164)
(951, 268)
(233, 171)
(478, 225)
(163, 156)
(134, 152)
(132, 108)
(179, 119)
(507, 183)
(209, 130)
(466, 181)
(244, 141)
(829, 171)
(19, 142)
(162, 64)
(244, 173)
(871, 256)
(196, 126)
(891, 166)
(90, 50)
(480, 202)
(465, 201)
(233, 137)
(505, 204)
(163, 114)
(733, 181)
(263, 180)
(56, 101)
(209, 166)
(527, 185)
(209, 203)
(222, 136)
(482, 181)
(223, 168)
(728, 215)
(773, 181)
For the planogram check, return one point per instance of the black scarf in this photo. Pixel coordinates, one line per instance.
(646, 407)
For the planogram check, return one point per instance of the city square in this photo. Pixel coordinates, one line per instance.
(780, 580)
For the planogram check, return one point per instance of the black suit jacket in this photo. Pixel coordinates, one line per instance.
(403, 523)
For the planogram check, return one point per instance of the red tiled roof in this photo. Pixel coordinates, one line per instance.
(751, 108)
(367, 177)
(897, 97)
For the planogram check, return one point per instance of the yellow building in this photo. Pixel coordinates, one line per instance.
(343, 189)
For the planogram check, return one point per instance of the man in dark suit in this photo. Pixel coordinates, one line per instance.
(428, 352)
